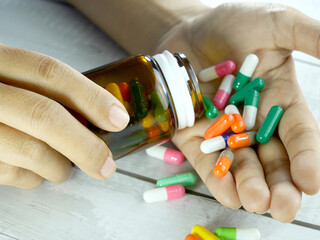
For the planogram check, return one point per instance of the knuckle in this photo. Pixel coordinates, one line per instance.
(31, 151)
(44, 114)
(93, 95)
(9, 174)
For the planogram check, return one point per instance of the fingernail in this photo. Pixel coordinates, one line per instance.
(108, 168)
(118, 117)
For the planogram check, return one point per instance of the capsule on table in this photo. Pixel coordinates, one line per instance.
(241, 140)
(218, 70)
(238, 98)
(125, 91)
(216, 143)
(166, 154)
(114, 89)
(164, 193)
(139, 103)
(250, 110)
(192, 237)
(223, 164)
(209, 109)
(185, 179)
(247, 68)
(239, 125)
(269, 124)
(220, 126)
(222, 95)
(227, 233)
(203, 233)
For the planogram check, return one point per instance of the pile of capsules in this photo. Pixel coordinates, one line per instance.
(247, 93)
(198, 232)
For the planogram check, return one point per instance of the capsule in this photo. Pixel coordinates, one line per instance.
(164, 126)
(238, 98)
(223, 164)
(250, 109)
(160, 113)
(192, 237)
(216, 143)
(220, 126)
(125, 91)
(209, 109)
(216, 71)
(139, 103)
(166, 154)
(246, 71)
(239, 125)
(241, 140)
(226, 233)
(203, 233)
(149, 120)
(114, 89)
(222, 95)
(164, 193)
(269, 124)
(185, 179)
(154, 132)
(128, 108)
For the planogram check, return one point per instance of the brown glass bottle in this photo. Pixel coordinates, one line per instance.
(161, 94)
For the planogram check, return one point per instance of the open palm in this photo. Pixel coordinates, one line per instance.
(269, 176)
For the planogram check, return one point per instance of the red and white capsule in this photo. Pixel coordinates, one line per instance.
(166, 154)
(164, 193)
(216, 71)
(239, 125)
(223, 94)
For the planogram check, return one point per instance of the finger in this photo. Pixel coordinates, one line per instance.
(252, 188)
(223, 189)
(21, 150)
(299, 133)
(18, 177)
(52, 78)
(302, 32)
(285, 197)
(49, 122)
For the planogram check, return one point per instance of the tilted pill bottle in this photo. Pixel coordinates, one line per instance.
(161, 94)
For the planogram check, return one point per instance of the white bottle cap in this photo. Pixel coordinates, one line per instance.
(176, 79)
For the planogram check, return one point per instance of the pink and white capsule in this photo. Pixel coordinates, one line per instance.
(164, 193)
(166, 154)
(216, 71)
(222, 95)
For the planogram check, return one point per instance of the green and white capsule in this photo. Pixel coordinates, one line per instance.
(269, 124)
(226, 233)
(250, 110)
(239, 97)
(246, 71)
(185, 179)
(209, 109)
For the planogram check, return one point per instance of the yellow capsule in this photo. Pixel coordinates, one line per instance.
(203, 233)
(114, 89)
(164, 126)
(149, 120)
(129, 108)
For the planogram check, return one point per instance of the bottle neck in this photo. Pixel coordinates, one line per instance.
(183, 86)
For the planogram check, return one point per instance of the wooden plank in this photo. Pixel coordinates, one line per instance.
(114, 209)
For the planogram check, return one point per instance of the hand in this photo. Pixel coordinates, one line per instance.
(272, 176)
(39, 138)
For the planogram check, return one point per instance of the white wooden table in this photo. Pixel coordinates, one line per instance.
(84, 208)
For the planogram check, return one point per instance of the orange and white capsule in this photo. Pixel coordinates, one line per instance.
(241, 140)
(239, 125)
(220, 126)
(224, 163)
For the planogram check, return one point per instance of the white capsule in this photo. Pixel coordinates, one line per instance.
(249, 65)
(215, 144)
